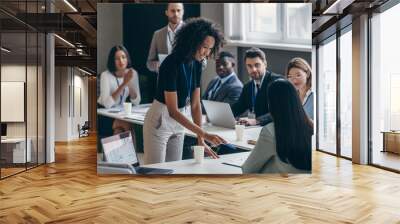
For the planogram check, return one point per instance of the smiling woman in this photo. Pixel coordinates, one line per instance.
(178, 88)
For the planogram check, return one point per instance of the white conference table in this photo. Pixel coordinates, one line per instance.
(139, 112)
(209, 166)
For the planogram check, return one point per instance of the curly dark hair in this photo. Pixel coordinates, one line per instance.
(190, 37)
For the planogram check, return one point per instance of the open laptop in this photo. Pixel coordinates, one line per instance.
(119, 149)
(220, 114)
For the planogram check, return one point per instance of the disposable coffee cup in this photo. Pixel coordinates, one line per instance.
(198, 152)
(128, 108)
(239, 128)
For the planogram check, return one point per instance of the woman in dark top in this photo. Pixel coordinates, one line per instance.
(284, 145)
(178, 88)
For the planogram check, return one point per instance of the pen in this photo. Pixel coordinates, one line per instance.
(232, 165)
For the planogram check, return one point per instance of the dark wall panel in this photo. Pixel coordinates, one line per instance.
(139, 23)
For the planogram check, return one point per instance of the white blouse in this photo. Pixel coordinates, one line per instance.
(109, 83)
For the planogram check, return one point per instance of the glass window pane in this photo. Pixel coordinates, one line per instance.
(13, 83)
(264, 18)
(298, 17)
(346, 94)
(31, 100)
(394, 101)
(385, 89)
(41, 99)
(22, 69)
(327, 97)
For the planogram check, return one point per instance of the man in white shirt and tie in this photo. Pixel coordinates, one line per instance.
(163, 39)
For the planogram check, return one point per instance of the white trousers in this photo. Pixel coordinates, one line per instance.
(162, 135)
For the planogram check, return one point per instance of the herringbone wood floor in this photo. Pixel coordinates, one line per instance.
(69, 191)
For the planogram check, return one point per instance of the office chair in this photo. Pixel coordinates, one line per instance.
(84, 130)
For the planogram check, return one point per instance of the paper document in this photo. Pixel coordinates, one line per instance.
(235, 162)
(114, 111)
(161, 57)
(140, 110)
(135, 117)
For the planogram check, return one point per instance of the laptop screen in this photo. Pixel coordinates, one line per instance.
(120, 149)
(220, 114)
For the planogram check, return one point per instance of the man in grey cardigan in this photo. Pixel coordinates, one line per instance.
(163, 39)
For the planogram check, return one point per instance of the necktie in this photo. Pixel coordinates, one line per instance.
(215, 89)
(253, 100)
(258, 87)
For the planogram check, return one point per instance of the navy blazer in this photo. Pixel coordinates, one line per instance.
(229, 91)
(261, 105)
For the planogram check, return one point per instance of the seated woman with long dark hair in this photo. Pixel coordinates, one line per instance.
(284, 145)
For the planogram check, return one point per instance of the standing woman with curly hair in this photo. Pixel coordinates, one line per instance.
(178, 88)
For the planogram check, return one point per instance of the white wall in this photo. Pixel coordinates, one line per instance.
(314, 89)
(70, 83)
(61, 95)
(80, 83)
(16, 72)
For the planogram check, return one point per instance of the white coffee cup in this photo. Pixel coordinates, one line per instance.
(239, 128)
(198, 152)
(128, 108)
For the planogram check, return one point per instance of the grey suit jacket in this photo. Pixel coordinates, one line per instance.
(158, 46)
(229, 92)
